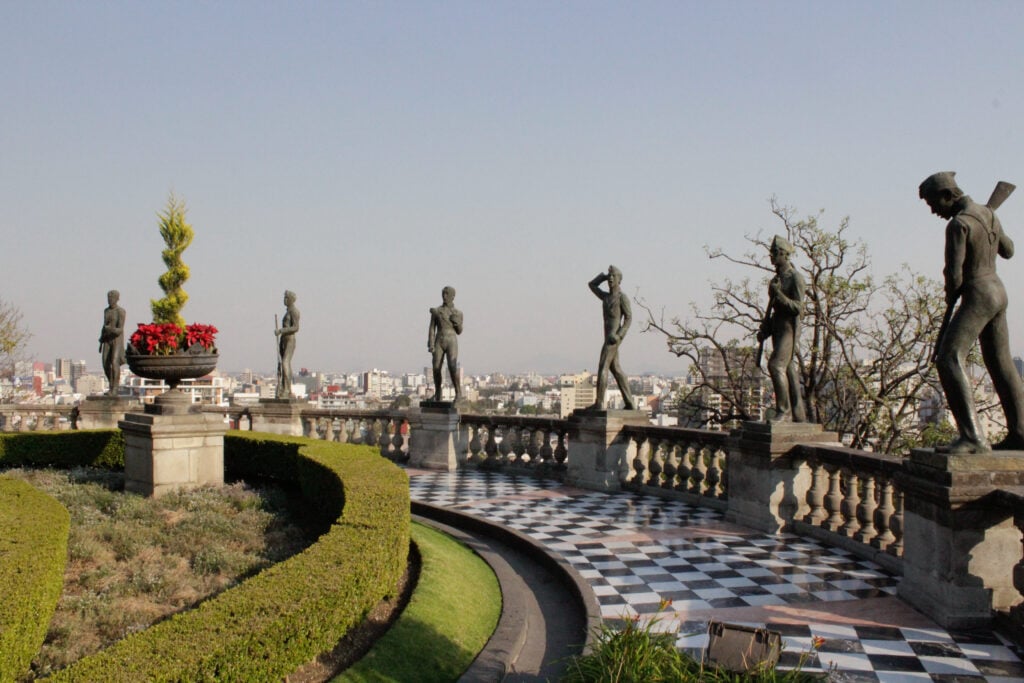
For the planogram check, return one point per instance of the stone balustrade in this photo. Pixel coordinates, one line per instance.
(29, 417)
(534, 444)
(951, 525)
(854, 501)
(688, 464)
(386, 429)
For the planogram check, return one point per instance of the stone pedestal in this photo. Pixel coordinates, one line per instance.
(278, 416)
(767, 486)
(960, 549)
(172, 446)
(598, 452)
(433, 436)
(104, 412)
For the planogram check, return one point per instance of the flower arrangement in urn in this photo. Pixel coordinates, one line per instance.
(168, 348)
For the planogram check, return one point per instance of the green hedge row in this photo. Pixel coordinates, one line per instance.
(266, 627)
(86, 448)
(33, 553)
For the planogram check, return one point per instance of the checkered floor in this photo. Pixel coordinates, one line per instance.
(638, 552)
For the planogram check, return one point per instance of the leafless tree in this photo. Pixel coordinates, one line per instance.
(865, 344)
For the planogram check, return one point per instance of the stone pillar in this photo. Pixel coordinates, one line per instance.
(598, 450)
(172, 446)
(105, 412)
(767, 485)
(278, 416)
(959, 549)
(433, 434)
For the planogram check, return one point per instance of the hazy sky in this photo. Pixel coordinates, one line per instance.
(365, 154)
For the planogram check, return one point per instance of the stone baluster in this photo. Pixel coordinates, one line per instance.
(816, 494)
(398, 440)
(505, 451)
(384, 439)
(699, 470)
(866, 511)
(675, 460)
(657, 463)
(716, 474)
(476, 446)
(512, 445)
(883, 517)
(834, 499)
(561, 450)
(532, 447)
(642, 460)
(850, 503)
(491, 445)
(329, 428)
(546, 453)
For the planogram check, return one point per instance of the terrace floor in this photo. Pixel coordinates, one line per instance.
(637, 551)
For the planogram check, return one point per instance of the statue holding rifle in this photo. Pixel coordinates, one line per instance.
(782, 324)
(286, 345)
(443, 340)
(974, 237)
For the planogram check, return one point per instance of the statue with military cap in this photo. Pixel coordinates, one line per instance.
(974, 237)
(781, 324)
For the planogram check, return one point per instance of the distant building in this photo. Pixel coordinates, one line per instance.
(576, 391)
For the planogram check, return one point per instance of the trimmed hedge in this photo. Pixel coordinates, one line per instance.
(33, 553)
(102, 448)
(266, 627)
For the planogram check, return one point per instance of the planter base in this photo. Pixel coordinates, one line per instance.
(170, 451)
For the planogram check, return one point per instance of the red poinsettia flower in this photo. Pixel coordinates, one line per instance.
(163, 339)
(200, 334)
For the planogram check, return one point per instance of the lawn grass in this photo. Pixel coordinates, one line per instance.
(451, 615)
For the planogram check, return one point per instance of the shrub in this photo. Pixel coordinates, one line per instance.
(102, 448)
(267, 627)
(33, 553)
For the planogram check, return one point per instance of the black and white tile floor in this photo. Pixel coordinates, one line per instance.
(637, 552)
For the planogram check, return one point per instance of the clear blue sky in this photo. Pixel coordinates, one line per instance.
(365, 154)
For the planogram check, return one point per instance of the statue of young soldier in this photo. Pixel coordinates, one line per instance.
(782, 324)
(286, 346)
(443, 340)
(617, 317)
(974, 237)
(112, 341)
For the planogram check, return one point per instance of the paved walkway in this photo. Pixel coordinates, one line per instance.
(638, 551)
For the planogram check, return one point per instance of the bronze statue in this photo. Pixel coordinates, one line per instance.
(443, 340)
(782, 324)
(974, 237)
(617, 317)
(286, 345)
(112, 341)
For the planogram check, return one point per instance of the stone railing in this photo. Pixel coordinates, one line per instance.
(387, 429)
(854, 501)
(535, 444)
(28, 417)
(687, 464)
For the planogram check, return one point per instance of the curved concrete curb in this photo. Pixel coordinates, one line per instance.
(523, 619)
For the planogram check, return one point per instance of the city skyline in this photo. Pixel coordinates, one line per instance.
(366, 155)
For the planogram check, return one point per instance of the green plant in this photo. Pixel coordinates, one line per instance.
(33, 552)
(635, 651)
(266, 627)
(177, 236)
